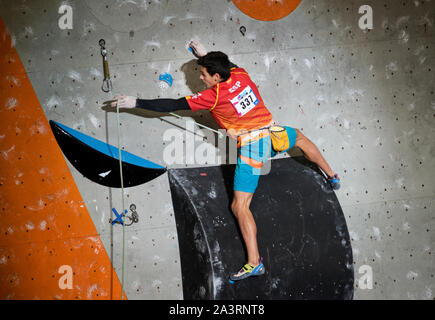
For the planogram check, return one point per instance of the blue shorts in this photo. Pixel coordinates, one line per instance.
(251, 158)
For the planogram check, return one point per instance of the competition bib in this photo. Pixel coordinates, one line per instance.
(245, 101)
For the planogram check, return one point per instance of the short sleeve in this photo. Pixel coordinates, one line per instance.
(203, 100)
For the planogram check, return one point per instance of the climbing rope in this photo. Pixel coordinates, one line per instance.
(220, 134)
(107, 87)
(123, 200)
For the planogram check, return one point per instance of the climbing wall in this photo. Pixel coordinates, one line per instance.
(49, 246)
(364, 97)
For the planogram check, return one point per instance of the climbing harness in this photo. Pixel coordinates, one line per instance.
(107, 87)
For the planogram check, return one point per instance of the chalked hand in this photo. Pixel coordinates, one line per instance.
(124, 102)
(198, 48)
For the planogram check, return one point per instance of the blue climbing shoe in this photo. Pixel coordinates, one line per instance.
(334, 181)
(248, 271)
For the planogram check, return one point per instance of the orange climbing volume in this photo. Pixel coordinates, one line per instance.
(267, 10)
(49, 246)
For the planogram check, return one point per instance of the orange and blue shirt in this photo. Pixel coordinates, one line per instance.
(236, 104)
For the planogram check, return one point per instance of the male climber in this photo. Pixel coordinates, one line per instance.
(235, 102)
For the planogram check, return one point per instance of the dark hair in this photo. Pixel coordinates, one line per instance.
(216, 62)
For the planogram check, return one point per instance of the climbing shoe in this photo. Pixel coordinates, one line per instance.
(248, 271)
(334, 181)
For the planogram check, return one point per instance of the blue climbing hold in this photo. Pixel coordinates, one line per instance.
(166, 77)
(118, 217)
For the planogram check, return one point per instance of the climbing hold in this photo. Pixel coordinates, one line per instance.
(118, 217)
(78, 148)
(324, 269)
(165, 80)
(267, 10)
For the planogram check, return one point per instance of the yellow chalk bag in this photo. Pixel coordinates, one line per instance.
(279, 138)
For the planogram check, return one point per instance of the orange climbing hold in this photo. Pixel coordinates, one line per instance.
(267, 10)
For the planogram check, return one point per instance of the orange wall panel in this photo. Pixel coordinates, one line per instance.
(44, 221)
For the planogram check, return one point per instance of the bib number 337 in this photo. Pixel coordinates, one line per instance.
(245, 101)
